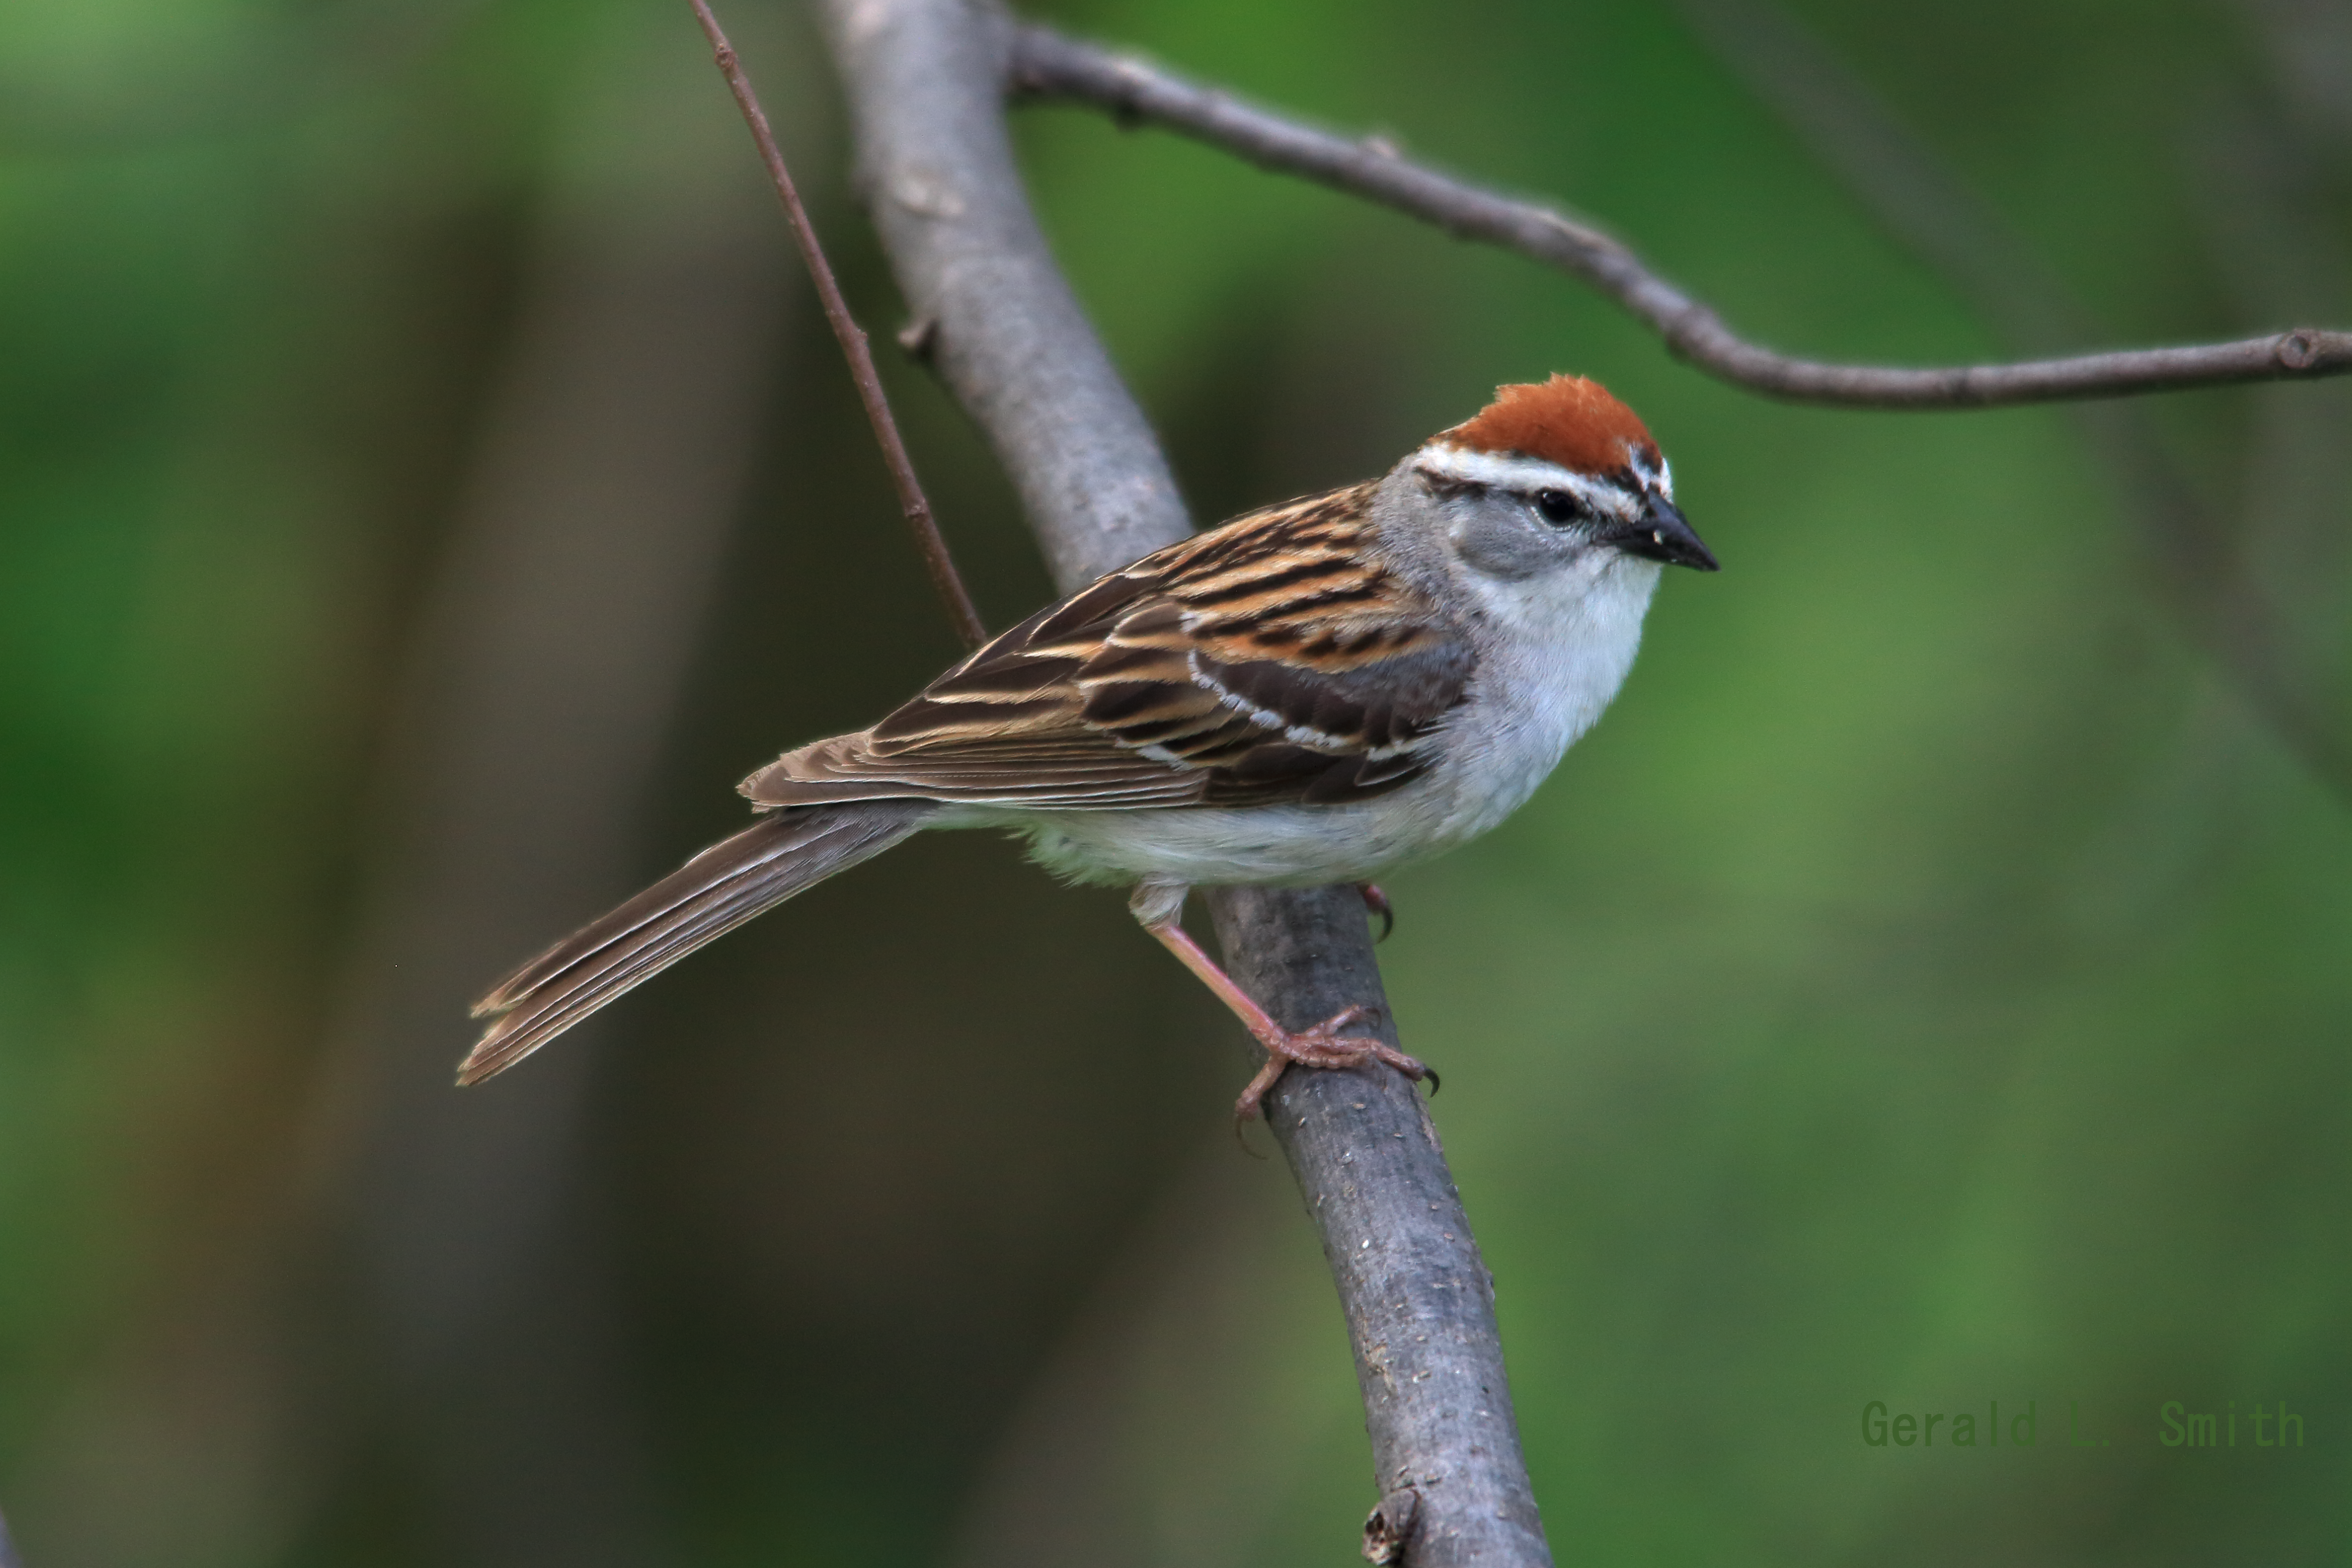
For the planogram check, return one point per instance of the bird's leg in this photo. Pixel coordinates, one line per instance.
(1378, 903)
(1158, 906)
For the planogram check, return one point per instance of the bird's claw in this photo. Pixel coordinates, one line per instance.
(1321, 1047)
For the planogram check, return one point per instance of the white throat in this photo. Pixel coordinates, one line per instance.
(1556, 650)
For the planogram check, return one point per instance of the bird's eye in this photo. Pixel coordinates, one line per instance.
(1559, 507)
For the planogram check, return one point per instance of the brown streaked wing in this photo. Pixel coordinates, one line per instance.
(1272, 658)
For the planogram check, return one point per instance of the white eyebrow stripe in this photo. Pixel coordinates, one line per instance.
(1495, 469)
(1525, 476)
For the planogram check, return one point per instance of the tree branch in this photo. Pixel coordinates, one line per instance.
(1897, 180)
(961, 613)
(925, 83)
(1418, 1301)
(1048, 65)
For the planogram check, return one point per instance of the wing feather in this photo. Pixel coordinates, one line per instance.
(1274, 659)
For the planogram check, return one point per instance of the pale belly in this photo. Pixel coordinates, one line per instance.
(1268, 845)
(1486, 773)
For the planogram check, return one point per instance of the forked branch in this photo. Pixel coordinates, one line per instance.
(1048, 65)
(925, 82)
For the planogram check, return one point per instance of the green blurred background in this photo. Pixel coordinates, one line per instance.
(424, 486)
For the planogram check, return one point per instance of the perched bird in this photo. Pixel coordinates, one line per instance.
(1310, 693)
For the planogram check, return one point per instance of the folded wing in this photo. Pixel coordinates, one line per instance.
(1272, 659)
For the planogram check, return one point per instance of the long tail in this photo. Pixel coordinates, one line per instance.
(705, 898)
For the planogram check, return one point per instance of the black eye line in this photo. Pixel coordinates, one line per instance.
(1447, 486)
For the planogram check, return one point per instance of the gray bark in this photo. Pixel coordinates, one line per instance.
(1418, 1301)
(925, 80)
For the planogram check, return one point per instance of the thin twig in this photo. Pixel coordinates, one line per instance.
(925, 86)
(1900, 181)
(961, 613)
(1048, 65)
(8, 1558)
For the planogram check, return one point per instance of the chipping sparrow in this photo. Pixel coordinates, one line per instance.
(1309, 693)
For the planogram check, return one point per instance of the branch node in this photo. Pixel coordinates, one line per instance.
(1387, 1529)
(919, 337)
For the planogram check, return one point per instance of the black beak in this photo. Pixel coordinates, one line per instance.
(1663, 533)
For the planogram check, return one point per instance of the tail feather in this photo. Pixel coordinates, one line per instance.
(703, 899)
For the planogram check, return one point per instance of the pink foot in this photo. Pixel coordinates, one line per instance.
(1320, 1047)
(1158, 907)
(1378, 903)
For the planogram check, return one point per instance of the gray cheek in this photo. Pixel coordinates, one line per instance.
(1504, 544)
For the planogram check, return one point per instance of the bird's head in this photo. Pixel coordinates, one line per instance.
(1549, 475)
